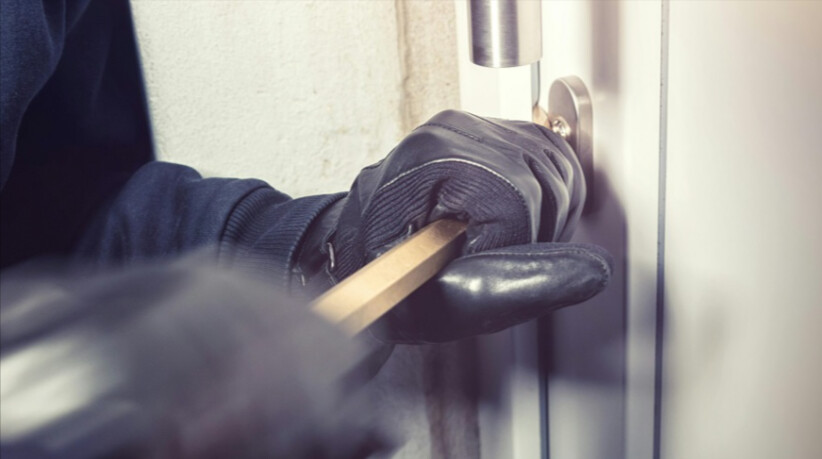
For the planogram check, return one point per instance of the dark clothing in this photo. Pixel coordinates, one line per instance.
(77, 169)
(176, 360)
(190, 361)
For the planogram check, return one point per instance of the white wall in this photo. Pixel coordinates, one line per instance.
(302, 94)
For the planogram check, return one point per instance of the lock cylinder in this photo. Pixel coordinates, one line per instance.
(505, 33)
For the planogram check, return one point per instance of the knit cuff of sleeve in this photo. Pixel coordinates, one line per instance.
(263, 235)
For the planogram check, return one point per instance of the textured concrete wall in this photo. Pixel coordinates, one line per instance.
(302, 94)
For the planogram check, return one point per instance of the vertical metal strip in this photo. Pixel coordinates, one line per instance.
(545, 327)
(535, 84)
(660, 268)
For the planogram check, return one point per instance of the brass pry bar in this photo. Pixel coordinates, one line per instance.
(365, 296)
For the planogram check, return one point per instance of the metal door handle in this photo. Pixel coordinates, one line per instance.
(508, 33)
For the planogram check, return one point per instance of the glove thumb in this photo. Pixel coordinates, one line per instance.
(492, 290)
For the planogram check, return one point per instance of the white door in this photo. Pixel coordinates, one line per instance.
(743, 275)
(708, 192)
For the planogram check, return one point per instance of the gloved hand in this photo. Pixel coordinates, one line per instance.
(520, 188)
(174, 361)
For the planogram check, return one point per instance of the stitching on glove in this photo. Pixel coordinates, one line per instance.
(492, 122)
(519, 195)
(454, 160)
(494, 145)
(457, 131)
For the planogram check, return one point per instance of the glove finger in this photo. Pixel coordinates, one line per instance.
(573, 187)
(556, 166)
(565, 159)
(493, 290)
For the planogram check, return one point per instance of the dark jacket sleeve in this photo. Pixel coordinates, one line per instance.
(77, 169)
(75, 124)
(167, 209)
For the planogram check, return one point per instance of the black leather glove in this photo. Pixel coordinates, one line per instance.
(174, 361)
(520, 188)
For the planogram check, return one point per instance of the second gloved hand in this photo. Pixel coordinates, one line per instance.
(521, 190)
